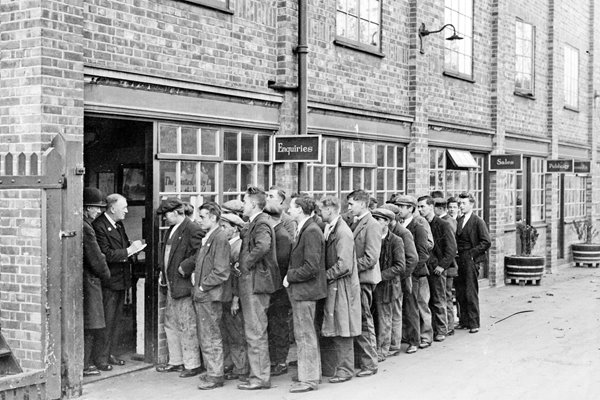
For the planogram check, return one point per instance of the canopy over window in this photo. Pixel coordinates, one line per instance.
(460, 159)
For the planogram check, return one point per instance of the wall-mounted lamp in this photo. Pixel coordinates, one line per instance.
(424, 32)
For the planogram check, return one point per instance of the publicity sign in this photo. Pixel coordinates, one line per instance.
(506, 162)
(582, 167)
(559, 166)
(297, 148)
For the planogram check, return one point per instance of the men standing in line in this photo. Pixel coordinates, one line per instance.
(306, 283)
(342, 310)
(279, 307)
(452, 271)
(276, 196)
(417, 317)
(440, 259)
(211, 272)
(95, 271)
(114, 244)
(176, 263)
(393, 269)
(473, 240)
(367, 244)
(259, 279)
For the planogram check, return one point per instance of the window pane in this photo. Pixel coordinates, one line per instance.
(340, 24)
(230, 178)
(331, 148)
(263, 148)
(209, 142)
(230, 146)
(400, 157)
(208, 177)
(247, 148)
(345, 178)
(390, 178)
(318, 178)
(352, 28)
(188, 176)
(380, 179)
(364, 31)
(168, 176)
(357, 179)
(346, 151)
(189, 140)
(369, 153)
(331, 179)
(263, 176)
(368, 172)
(390, 156)
(381, 156)
(352, 7)
(167, 139)
(247, 176)
(357, 152)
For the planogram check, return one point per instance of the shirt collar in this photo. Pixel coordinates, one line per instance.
(253, 217)
(335, 220)
(467, 216)
(112, 222)
(175, 228)
(207, 236)
(362, 216)
(301, 224)
(407, 221)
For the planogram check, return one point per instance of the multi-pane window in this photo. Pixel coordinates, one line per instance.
(538, 187)
(514, 200)
(575, 196)
(458, 54)
(246, 162)
(571, 78)
(322, 177)
(359, 21)
(524, 58)
(390, 171)
(358, 160)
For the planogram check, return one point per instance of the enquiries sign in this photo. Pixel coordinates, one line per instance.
(506, 162)
(297, 148)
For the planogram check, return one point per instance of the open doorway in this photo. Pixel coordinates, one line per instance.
(117, 159)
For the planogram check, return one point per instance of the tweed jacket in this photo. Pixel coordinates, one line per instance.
(393, 267)
(367, 242)
(444, 250)
(95, 271)
(212, 267)
(113, 243)
(419, 231)
(452, 271)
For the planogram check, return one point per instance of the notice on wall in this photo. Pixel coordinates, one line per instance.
(297, 148)
(506, 162)
(559, 166)
(582, 167)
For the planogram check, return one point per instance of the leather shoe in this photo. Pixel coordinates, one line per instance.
(208, 384)
(187, 373)
(393, 352)
(366, 372)
(411, 349)
(104, 367)
(91, 371)
(254, 386)
(279, 369)
(451, 333)
(460, 326)
(474, 330)
(339, 379)
(439, 338)
(424, 345)
(301, 387)
(170, 368)
(115, 361)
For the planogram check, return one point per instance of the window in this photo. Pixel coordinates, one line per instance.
(538, 188)
(571, 79)
(359, 21)
(575, 196)
(524, 58)
(514, 197)
(390, 171)
(323, 179)
(458, 54)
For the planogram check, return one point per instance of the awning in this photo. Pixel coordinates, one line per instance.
(460, 159)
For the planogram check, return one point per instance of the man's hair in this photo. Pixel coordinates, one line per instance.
(428, 198)
(212, 208)
(188, 209)
(465, 195)
(280, 193)
(451, 199)
(360, 195)
(331, 201)
(112, 199)
(306, 203)
(258, 195)
(373, 203)
(437, 194)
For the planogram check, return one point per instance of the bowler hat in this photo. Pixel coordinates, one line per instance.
(232, 219)
(169, 204)
(383, 213)
(93, 197)
(405, 200)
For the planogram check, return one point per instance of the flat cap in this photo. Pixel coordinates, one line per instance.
(235, 206)
(169, 204)
(405, 200)
(233, 219)
(383, 213)
(392, 207)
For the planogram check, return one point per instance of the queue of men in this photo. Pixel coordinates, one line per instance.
(358, 283)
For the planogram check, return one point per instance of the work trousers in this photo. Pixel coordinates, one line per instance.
(396, 339)
(255, 308)
(113, 301)
(182, 332)
(344, 353)
(208, 315)
(437, 303)
(366, 343)
(91, 339)
(234, 341)
(450, 302)
(385, 314)
(309, 356)
(411, 325)
(467, 290)
(279, 327)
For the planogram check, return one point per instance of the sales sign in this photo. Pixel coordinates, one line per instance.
(582, 167)
(506, 162)
(559, 166)
(297, 148)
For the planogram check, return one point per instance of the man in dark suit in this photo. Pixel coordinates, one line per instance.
(440, 259)
(176, 263)
(306, 283)
(276, 197)
(211, 272)
(367, 243)
(259, 279)
(472, 240)
(95, 271)
(114, 244)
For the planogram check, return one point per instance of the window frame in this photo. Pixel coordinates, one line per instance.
(575, 197)
(571, 83)
(452, 46)
(345, 41)
(519, 90)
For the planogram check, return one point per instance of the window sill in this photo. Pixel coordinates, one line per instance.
(351, 44)
(209, 4)
(525, 95)
(456, 75)
(571, 109)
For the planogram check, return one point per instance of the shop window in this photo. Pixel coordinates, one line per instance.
(458, 54)
(359, 22)
(575, 196)
(524, 58)
(390, 171)
(538, 189)
(571, 77)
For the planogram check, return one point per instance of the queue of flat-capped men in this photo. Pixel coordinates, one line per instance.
(348, 286)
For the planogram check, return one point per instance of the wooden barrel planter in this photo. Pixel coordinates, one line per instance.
(523, 269)
(586, 254)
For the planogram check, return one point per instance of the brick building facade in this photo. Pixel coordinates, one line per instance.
(187, 95)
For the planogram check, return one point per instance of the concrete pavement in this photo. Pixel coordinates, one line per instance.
(552, 352)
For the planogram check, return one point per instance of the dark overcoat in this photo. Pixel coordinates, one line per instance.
(113, 243)
(452, 271)
(393, 268)
(95, 271)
